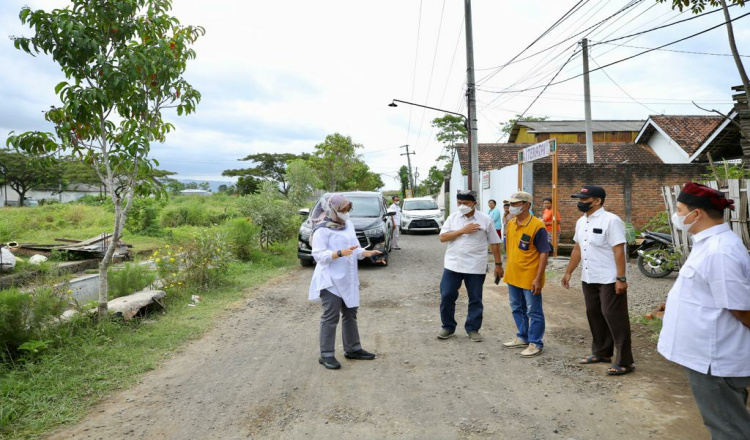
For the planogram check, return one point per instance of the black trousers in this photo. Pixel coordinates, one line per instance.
(609, 322)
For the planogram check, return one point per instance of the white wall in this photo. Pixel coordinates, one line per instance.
(39, 195)
(667, 149)
(503, 183)
(458, 181)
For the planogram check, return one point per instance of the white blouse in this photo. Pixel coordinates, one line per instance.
(338, 276)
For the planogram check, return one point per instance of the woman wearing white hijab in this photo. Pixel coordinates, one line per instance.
(335, 282)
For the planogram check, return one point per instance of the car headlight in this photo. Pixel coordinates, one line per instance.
(405, 215)
(436, 215)
(304, 232)
(374, 232)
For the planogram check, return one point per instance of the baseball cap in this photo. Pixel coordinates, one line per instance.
(521, 196)
(590, 191)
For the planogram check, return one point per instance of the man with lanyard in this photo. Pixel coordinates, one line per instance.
(600, 244)
(706, 325)
(468, 232)
(396, 219)
(527, 250)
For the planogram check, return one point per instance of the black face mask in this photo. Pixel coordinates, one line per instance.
(584, 207)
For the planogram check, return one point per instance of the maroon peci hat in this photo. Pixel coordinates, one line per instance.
(701, 196)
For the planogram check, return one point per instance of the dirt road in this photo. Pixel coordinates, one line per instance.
(256, 374)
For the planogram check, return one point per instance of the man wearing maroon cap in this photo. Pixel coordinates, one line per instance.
(706, 325)
(600, 246)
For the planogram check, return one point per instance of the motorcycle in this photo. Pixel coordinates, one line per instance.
(656, 255)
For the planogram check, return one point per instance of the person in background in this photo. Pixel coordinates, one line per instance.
(335, 282)
(547, 219)
(706, 326)
(527, 250)
(396, 219)
(496, 217)
(468, 232)
(600, 245)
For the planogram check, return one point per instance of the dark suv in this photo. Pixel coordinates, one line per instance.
(371, 221)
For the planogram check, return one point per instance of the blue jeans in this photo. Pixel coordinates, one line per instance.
(449, 285)
(528, 314)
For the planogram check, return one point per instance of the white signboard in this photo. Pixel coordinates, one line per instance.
(537, 151)
(485, 180)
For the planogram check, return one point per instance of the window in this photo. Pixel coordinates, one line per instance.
(365, 206)
(420, 205)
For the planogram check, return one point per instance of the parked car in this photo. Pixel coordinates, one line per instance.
(27, 201)
(421, 214)
(371, 221)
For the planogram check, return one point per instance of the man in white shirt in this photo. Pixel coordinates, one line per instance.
(600, 245)
(396, 219)
(706, 325)
(468, 232)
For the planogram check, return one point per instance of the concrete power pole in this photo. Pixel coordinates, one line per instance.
(471, 95)
(587, 101)
(408, 160)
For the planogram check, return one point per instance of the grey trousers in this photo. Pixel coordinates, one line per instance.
(333, 306)
(722, 402)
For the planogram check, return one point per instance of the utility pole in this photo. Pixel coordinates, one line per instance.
(472, 104)
(587, 101)
(408, 160)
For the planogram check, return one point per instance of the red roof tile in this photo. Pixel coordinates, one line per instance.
(496, 156)
(689, 131)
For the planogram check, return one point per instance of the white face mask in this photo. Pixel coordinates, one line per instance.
(343, 216)
(679, 222)
(464, 209)
(515, 210)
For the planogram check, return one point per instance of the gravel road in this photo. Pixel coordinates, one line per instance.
(256, 374)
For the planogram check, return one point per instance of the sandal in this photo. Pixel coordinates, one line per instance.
(617, 370)
(594, 359)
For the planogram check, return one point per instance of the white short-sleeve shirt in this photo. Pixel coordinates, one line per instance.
(468, 253)
(596, 235)
(698, 331)
(397, 210)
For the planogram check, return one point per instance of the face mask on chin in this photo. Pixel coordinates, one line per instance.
(465, 209)
(679, 222)
(515, 210)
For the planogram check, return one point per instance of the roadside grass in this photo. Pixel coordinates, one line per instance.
(87, 362)
(652, 325)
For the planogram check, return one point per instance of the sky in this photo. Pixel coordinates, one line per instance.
(278, 76)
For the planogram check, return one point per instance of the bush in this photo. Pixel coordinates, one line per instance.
(276, 217)
(658, 223)
(25, 316)
(242, 237)
(94, 200)
(186, 215)
(128, 279)
(143, 216)
(202, 264)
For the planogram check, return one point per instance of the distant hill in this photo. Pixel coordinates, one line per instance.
(214, 183)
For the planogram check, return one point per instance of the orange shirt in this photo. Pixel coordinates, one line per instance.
(547, 218)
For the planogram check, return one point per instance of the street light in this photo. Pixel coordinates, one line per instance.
(466, 124)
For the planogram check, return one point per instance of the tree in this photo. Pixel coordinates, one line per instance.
(124, 63)
(24, 173)
(508, 126)
(247, 185)
(451, 129)
(403, 176)
(362, 179)
(697, 6)
(205, 186)
(174, 186)
(223, 188)
(434, 180)
(302, 181)
(271, 167)
(334, 159)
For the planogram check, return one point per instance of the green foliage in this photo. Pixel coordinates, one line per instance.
(242, 237)
(434, 180)
(451, 129)
(174, 186)
(193, 212)
(658, 223)
(94, 200)
(25, 316)
(508, 126)
(202, 263)
(302, 181)
(33, 348)
(270, 167)
(24, 172)
(697, 6)
(143, 216)
(276, 217)
(247, 185)
(726, 171)
(403, 176)
(128, 279)
(334, 159)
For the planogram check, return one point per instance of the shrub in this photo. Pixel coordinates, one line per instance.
(128, 279)
(94, 200)
(143, 216)
(276, 217)
(242, 237)
(185, 215)
(201, 264)
(25, 316)
(658, 223)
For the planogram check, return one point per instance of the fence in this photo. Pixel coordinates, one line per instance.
(738, 219)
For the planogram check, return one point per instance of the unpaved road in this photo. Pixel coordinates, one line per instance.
(256, 374)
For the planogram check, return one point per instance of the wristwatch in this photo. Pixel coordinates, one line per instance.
(622, 279)
(499, 264)
(338, 253)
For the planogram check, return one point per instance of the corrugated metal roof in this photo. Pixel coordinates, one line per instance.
(580, 126)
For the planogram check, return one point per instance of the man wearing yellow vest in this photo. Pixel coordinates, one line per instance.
(527, 249)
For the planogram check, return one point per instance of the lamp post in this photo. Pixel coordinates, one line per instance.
(466, 124)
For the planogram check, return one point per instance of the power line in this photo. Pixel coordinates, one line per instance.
(414, 76)
(623, 90)
(623, 59)
(674, 50)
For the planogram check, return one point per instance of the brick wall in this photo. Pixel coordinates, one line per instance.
(642, 181)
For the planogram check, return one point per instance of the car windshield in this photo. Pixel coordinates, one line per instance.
(420, 205)
(361, 207)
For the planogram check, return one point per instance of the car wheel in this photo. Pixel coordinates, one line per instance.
(305, 263)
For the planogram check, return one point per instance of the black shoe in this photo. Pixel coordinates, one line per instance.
(330, 362)
(396, 248)
(360, 354)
